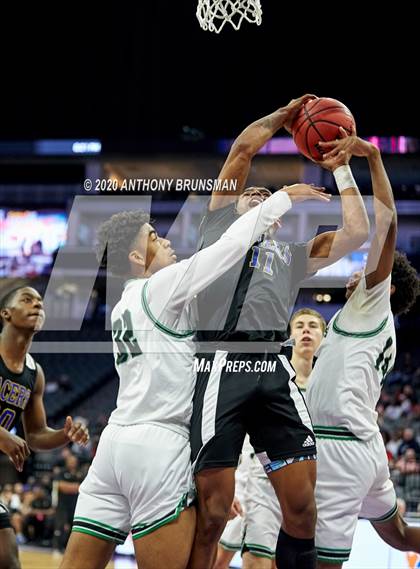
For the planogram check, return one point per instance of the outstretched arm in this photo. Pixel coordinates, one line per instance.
(183, 281)
(38, 435)
(381, 253)
(246, 146)
(327, 248)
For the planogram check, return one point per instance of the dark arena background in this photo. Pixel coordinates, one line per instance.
(127, 107)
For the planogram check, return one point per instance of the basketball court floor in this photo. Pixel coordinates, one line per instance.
(37, 558)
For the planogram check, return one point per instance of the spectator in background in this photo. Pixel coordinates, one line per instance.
(100, 424)
(27, 498)
(405, 400)
(394, 442)
(46, 482)
(19, 490)
(407, 367)
(60, 461)
(408, 442)
(409, 470)
(39, 518)
(385, 398)
(410, 394)
(12, 500)
(407, 464)
(393, 411)
(65, 493)
(415, 381)
(415, 418)
(386, 438)
(380, 409)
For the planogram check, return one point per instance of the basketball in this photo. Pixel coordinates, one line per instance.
(320, 120)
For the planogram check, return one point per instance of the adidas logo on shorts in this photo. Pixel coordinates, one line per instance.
(309, 442)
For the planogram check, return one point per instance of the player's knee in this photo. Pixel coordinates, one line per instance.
(305, 510)
(213, 517)
(214, 523)
(301, 517)
(214, 511)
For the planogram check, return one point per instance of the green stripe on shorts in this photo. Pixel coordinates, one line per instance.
(140, 530)
(330, 555)
(230, 546)
(258, 550)
(100, 524)
(386, 517)
(334, 433)
(98, 529)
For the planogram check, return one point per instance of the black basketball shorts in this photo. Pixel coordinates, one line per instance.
(247, 393)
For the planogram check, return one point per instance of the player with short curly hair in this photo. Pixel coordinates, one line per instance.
(354, 359)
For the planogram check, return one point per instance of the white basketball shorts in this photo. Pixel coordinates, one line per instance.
(139, 480)
(353, 482)
(262, 519)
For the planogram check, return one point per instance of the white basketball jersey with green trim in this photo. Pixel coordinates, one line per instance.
(152, 324)
(355, 356)
(154, 362)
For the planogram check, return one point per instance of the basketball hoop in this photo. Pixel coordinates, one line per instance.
(213, 14)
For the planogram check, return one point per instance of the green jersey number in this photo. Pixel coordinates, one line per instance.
(382, 361)
(123, 336)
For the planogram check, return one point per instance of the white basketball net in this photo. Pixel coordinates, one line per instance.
(213, 14)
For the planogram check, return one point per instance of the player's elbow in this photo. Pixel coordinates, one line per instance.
(361, 235)
(358, 231)
(386, 225)
(32, 444)
(242, 149)
(34, 441)
(386, 220)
